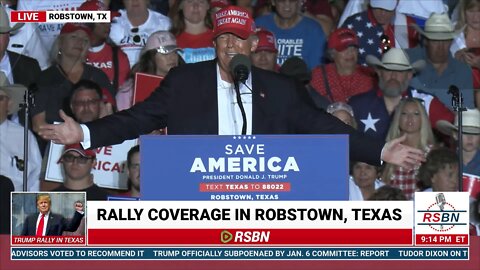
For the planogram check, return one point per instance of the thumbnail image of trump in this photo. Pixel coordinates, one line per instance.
(44, 214)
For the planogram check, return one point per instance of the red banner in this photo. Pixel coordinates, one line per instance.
(390, 237)
(441, 239)
(48, 240)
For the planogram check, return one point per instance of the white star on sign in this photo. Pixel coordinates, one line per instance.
(350, 26)
(370, 123)
(379, 50)
(370, 41)
(361, 50)
(369, 25)
(379, 34)
(358, 18)
(360, 34)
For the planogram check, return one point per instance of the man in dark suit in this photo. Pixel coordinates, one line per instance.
(200, 99)
(20, 69)
(47, 223)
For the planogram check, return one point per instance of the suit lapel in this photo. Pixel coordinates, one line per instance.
(259, 101)
(51, 221)
(210, 98)
(13, 64)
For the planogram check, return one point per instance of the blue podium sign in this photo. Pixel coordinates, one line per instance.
(254, 167)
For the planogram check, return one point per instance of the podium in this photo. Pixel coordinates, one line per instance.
(247, 167)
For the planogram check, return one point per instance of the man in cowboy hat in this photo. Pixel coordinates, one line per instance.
(470, 139)
(11, 140)
(442, 69)
(20, 69)
(26, 41)
(373, 109)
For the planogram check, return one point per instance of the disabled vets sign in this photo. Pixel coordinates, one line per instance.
(247, 167)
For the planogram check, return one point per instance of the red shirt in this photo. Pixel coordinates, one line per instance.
(476, 78)
(343, 87)
(318, 7)
(203, 40)
(103, 60)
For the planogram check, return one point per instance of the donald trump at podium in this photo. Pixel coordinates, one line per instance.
(209, 98)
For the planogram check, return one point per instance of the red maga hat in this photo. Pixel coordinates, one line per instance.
(341, 39)
(95, 5)
(79, 149)
(219, 3)
(235, 20)
(72, 27)
(266, 41)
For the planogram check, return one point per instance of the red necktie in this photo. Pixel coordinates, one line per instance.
(40, 226)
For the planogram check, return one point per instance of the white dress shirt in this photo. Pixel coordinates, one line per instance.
(230, 120)
(11, 145)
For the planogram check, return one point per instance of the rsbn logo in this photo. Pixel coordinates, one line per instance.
(441, 215)
(245, 237)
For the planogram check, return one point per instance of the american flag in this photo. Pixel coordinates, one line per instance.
(369, 35)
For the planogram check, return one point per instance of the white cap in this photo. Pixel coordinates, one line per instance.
(384, 4)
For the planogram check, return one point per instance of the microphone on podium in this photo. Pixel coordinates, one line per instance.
(240, 66)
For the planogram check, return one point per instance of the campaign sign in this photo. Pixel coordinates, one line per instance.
(248, 167)
(108, 170)
(145, 84)
(471, 184)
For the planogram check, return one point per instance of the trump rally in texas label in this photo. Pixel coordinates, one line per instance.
(441, 218)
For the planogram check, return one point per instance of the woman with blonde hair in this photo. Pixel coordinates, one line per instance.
(410, 120)
(466, 46)
(68, 67)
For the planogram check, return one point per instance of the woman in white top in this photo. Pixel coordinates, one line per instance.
(135, 24)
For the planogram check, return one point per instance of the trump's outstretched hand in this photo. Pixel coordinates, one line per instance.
(396, 153)
(68, 132)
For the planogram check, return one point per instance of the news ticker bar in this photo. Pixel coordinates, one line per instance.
(240, 253)
(60, 16)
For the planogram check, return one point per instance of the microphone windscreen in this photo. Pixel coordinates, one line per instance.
(453, 90)
(240, 60)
